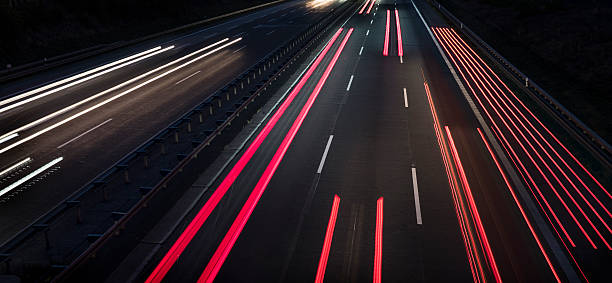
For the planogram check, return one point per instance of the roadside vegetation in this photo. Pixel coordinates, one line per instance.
(563, 45)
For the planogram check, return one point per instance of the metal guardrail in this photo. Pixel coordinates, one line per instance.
(121, 224)
(41, 225)
(56, 61)
(589, 137)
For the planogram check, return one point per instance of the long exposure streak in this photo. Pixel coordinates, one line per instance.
(181, 243)
(546, 165)
(371, 5)
(507, 114)
(364, 6)
(466, 232)
(472, 204)
(378, 239)
(386, 47)
(329, 233)
(400, 48)
(215, 263)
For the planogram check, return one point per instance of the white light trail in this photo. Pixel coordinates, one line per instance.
(71, 78)
(73, 106)
(46, 93)
(30, 176)
(15, 166)
(87, 110)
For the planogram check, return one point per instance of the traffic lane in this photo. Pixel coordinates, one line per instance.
(188, 35)
(199, 251)
(27, 113)
(90, 162)
(248, 49)
(135, 119)
(272, 227)
(513, 246)
(387, 149)
(360, 215)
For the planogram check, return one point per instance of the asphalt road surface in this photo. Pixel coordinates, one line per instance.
(91, 141)
(397, 155)
(359, 180)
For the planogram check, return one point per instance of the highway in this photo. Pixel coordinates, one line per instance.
(398, 152)
(93, 120)
(384, 163)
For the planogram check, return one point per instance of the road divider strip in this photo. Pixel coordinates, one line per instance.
(417, 202)
(215, 263)
(117, 96)
(181, 243)
(84, 133)
(329, 141)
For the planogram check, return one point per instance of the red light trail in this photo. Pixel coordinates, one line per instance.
(378, 238)
(181, 243)
(215, 263)
(530, 140)
(386, 47)
(364, 6)
(400, 49)
(329, 233)
(472, 205)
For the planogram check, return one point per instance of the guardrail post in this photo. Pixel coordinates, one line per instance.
(200, 116)
(188, 125)
(76, 204)
(526, 82)
(6, 258)
(45, 229)
(126, 175)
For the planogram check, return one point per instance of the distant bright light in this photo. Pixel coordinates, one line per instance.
(321, 3)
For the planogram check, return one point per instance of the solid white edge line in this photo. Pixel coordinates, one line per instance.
(405, 98)
(348, 87)
(360, 50)
(49, 92)
(30, 176)
(84, 133)
(552, 242)
(329, 141)
(186, 78)
(83, 112)
(74, 77)
(417, 202)
(15, 166)
(8, 137)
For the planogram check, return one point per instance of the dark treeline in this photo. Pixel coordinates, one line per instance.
(33, 30)
(563, 45)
